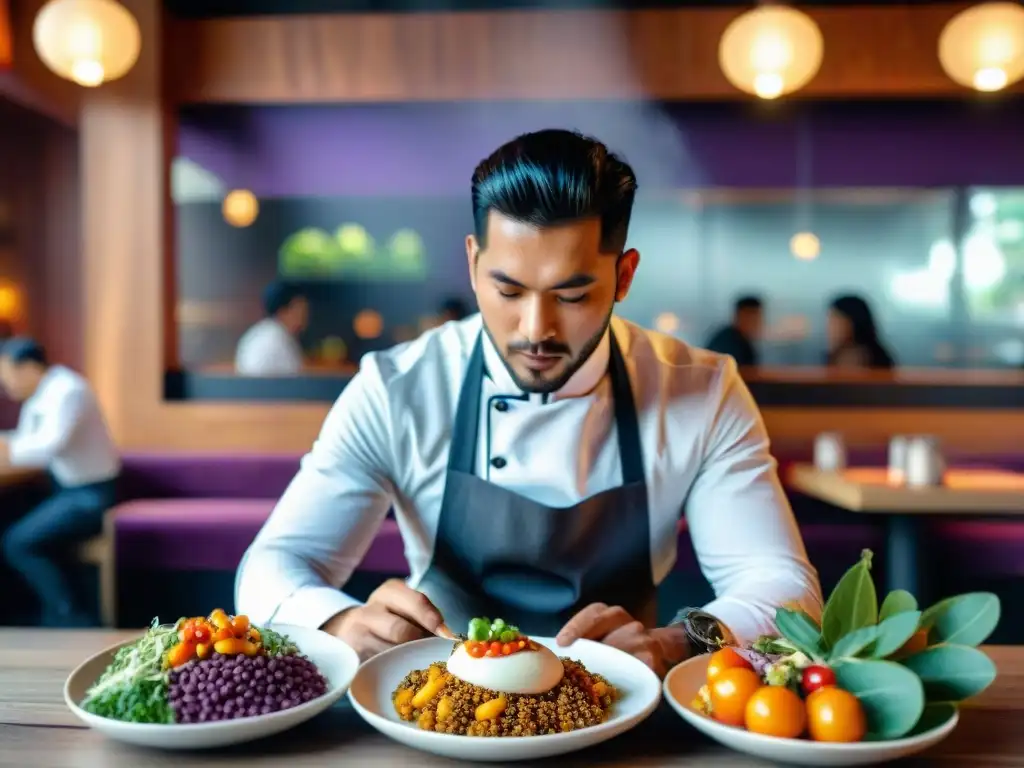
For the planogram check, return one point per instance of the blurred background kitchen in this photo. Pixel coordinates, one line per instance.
(213, 209)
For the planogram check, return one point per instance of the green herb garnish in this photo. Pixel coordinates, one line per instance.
(483, 630)
(134, 687)
(276, 644)
(900, 662)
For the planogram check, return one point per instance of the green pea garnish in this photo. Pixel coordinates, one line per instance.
(479, 630)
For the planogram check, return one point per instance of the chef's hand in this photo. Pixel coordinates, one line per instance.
(394, 614)
(660, 649)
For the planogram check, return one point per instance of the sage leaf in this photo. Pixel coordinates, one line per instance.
(853, 603)
(952, 672)
(897, 601)
(894, 632)
(855, 642)
(892, 696)
(800, 630)
(966, 619)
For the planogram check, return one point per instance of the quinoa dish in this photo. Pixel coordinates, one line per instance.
(498, 682)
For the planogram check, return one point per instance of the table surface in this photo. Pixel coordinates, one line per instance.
(868, 489)
(37, 729)
(11, 476)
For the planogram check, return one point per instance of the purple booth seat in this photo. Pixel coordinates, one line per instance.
(213, 534)
(195, 476)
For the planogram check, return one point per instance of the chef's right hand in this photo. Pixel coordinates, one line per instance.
(394, 614)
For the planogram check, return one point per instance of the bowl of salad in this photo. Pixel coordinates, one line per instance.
(210, 681)
(865, 684)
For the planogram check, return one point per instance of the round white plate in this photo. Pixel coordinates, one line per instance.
(336, 661)
(639, 688)
(683, 682)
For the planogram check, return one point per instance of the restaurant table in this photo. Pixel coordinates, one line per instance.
(12, 476)
(37, 729)
(870, 490)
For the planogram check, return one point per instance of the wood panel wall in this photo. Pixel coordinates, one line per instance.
(28, 81)
(6, 36)
(127, 129)
(887, 51)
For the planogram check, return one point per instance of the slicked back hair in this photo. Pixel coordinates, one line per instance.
(553, 177)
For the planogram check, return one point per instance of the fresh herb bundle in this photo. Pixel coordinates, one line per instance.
(134, 687)
(908, 667)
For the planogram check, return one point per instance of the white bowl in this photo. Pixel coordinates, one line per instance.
(685, 680)
(336, 661)
(639, 688)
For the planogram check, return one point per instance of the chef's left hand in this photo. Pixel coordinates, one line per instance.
(660, 649)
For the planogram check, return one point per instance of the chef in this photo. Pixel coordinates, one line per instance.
(539, 455)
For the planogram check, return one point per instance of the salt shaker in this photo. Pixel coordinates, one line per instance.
(898, 458)
(925, 465)
(829, 452)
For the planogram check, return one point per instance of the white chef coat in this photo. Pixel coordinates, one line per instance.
(268, 349)
(386, 440)
(61, 428)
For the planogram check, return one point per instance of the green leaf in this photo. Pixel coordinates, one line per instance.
(800, 630)
(855, 642)
(894, 632)
(892, 695)
(952, 672)
(964, 619)
(853, 603)
(897, 601)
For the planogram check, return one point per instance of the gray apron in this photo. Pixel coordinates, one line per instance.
(500, 554)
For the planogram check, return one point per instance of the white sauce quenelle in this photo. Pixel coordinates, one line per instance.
(524, 672)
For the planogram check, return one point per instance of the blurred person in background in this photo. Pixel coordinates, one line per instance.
(271, 347)
(739, 337)
(853, 340)
(60, 429)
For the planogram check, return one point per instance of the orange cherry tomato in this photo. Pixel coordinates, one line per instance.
(775, 710)
(730, 692)
(180, 654)
(241, 625)
(835, 715)
(476, 650)
(725, 658)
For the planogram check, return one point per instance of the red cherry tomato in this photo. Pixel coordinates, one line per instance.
(815, 677)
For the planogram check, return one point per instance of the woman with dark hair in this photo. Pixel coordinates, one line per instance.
(853, 336)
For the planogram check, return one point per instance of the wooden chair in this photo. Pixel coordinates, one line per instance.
(99, 551)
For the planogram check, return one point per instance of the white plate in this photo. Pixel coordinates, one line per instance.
(336, 661)
(683, 682)
(639, 688)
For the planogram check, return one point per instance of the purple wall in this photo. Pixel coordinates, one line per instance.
(413, 149)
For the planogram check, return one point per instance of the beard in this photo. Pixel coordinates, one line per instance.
(536, 383)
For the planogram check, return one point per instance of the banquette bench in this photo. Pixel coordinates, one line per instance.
(200, 512)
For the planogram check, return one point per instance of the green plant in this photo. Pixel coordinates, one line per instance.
(861, 642)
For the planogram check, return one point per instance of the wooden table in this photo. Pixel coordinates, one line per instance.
(12, 476)
(871, 490)
(36, 729)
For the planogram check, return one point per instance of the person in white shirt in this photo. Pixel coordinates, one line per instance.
(60, 429)
(271, 347)
(539, 455)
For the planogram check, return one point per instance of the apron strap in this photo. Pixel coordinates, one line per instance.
(466, 428)
(627, 423)
(462, 453)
